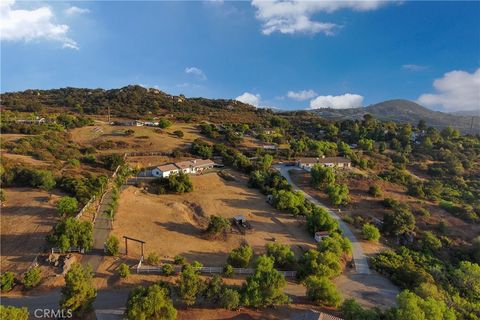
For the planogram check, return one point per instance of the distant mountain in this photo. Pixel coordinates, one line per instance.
(404, 111)
(467, 113)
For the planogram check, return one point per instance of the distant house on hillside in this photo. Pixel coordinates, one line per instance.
(308, 163)
(269, 147)
(31, 121)
(131, 123)
(188, 166)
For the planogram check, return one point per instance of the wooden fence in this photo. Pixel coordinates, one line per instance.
(208, 270)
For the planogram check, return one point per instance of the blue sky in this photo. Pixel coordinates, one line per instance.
(290, 55)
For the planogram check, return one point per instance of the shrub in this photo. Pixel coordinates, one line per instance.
(375, 191)
(213, 289)
(400, 221)
(240, 257)
(338, 194)
(111, 245)
(13, 313)
(153, 258)
(7, 279)
(370, 232)
(230, 299)
(67, 206)
(282, 255)
(123, 270)
(178, 133)
(178, 260)
(320, 220)
(218, 226)
(167, 269)
(189, 285)
(152, 302)
(79, 292)
(32, 277)
(175, 183)
(72, 233)
(351, 310)
(228, 270)
(164, 123)
(322, 291)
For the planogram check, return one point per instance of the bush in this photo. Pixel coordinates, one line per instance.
(218, 227)
(322, 291)
(240, 257)
(282, 255)
(228, 270)
(320, 220)
(178, 133)
(67, 206)
(152, 302)
(167, 269)
(72, 233)
(164, 123)
(213, 289)
(375, 191)
(230, 299)
(123, 270)
(32, 277)
(338, 194)
(175, 183)
(153, 259)
(111, 245)
(189, 285)
(351, 310)
(79, 292)
(7, 280)
(370, 232)
(400, 221)
(178, 260)
(13, 313)
(111, 162)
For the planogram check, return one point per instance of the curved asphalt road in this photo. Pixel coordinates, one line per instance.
(361, 264)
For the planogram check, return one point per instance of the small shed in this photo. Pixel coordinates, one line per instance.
(319, 235)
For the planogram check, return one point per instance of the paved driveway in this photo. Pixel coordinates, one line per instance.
(361, 264)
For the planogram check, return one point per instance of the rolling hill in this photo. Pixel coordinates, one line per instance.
(404, 111)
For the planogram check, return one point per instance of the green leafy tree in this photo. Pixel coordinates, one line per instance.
(164, 123)
(351, 310)
(67, 206)
(167, 269)
(320, 220)
(321, 177)
(322, 291)
(32, 277)
(111, 245)
(73, 233)
(282, 255)
(412, 307)
(265, 286)
(111, 162)
(338, 194)
(241, 256)
(265, 162)
(213, 289)
(79, 293)
(43, 179)
(288, 200)
(152, 302)
(370, 232)
(429, 242)
(375, 191)
(228, 270)
(229, 299)
(189, 285)
(13, 313)
(7, 280)
(400, 221)
(178, 260)
(467, 279)
(123, 270)
(218, 226)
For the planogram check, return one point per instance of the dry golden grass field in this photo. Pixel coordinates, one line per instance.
(27, 217)
(143, 139)
(174, 224)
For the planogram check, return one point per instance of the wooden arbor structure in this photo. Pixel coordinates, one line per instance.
(132, 239)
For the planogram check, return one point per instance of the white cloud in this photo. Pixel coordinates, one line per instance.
(76, 10)
(249, 98)
(196, 72)
(414, 67)
(301, 95)
(28, 25)
(344, 101)
(456, 90)
(294, 16)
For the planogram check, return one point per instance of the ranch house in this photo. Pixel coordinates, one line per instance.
(308, 163)
(188, 166)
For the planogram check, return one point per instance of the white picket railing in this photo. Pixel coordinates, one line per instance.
(247, 271)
